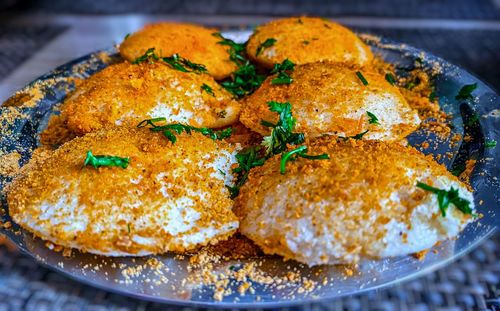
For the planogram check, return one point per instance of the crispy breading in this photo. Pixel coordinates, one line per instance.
(125, 94)
(362, 202)
(194, 42)
(330, 98)
(171, 197)
(305, 40)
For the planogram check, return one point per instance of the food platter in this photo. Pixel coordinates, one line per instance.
(168, 279)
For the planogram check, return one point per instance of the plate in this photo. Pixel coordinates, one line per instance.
(163, 278)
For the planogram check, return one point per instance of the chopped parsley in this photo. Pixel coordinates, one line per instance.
(372, 118)
(169, 130)
(175, 61)
(149, 56)
(283, 72)
(104, 160)
(264, 45)
(361, 77)
(180, 63)
(490, 144)
(358, 136)
(282, 132)
(305, 42)
(465, 92)
(205, 87)
(473, 120)
(244, 80)
(126, 36)
(445, 197)
(299, 152)
(247, 159)
(390, 78)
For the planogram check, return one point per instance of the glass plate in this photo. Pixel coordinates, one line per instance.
(167, 285)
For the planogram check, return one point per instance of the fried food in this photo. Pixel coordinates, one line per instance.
(171, 197)
(306, 40)
(193, 42)
(362, 202)
(125, 94)
(330, 98)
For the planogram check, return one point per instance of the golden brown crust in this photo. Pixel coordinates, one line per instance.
(196, 43)
(329, 98)
(125, 94)
(111, 209)
(305, 40)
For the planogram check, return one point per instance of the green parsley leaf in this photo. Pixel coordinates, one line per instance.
(236, 50)
(359, 136)
(465, 92)
(208, 89)
(149, 56)
(490, 144)
(180, 63)
(445, 197)
(361, 77)
(244, 80)
(372, 118)
(247, 159)
(126, 36)
(473, 120)
(458, 170)
(282, 132)
(282, 70)
(264, 45)
(305, 42)
(390, 78)
(103, 160)
(299, 152)
(169, 130)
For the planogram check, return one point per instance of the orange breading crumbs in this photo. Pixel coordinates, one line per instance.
(305, 40)
(348, 197)
(196, 43)
(421, 255)
(166, 196)
(125, 94)
(330, 98)
(9, 164)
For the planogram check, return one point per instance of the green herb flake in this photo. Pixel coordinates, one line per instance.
(372, 118)
(126, 36)
(169, 130)
(182, 64)
(465, 92)
(490, 144)
(149, 56)
(205, 87)
(432, 95)
(305, 42)
(264, 45)
(104, 160)
(244, 81)
(236, 50)
(445, 197)
(390, 78)
(361, 77)
(247, 159)
(283, 72)
(299, 152)
(300, 21)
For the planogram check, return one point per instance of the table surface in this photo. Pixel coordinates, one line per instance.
(32, 43)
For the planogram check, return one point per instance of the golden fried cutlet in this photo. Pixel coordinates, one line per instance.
(305, 40)
(329, 98)
(171, 197)
(193, 42)
(125, 94)
(362, 202)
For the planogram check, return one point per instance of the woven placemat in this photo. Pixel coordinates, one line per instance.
(17, 44)
(470, 283)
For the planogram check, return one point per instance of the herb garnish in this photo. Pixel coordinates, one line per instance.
(358, 136)
(169, 129)
(390, 78)
(445, 197)
(126, 36)
(465, 92)
(299, 152)
(205, 87)
(361, 77)
(264, 45)
(372, 118)
(490, 143)
(175, 61)
(245, 79)
(180, 63)
(283, 71)
(149, 56)
(305, 42)
(103, 160)
(247, 159)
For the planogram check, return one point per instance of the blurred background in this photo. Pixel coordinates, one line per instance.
(36, 36)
